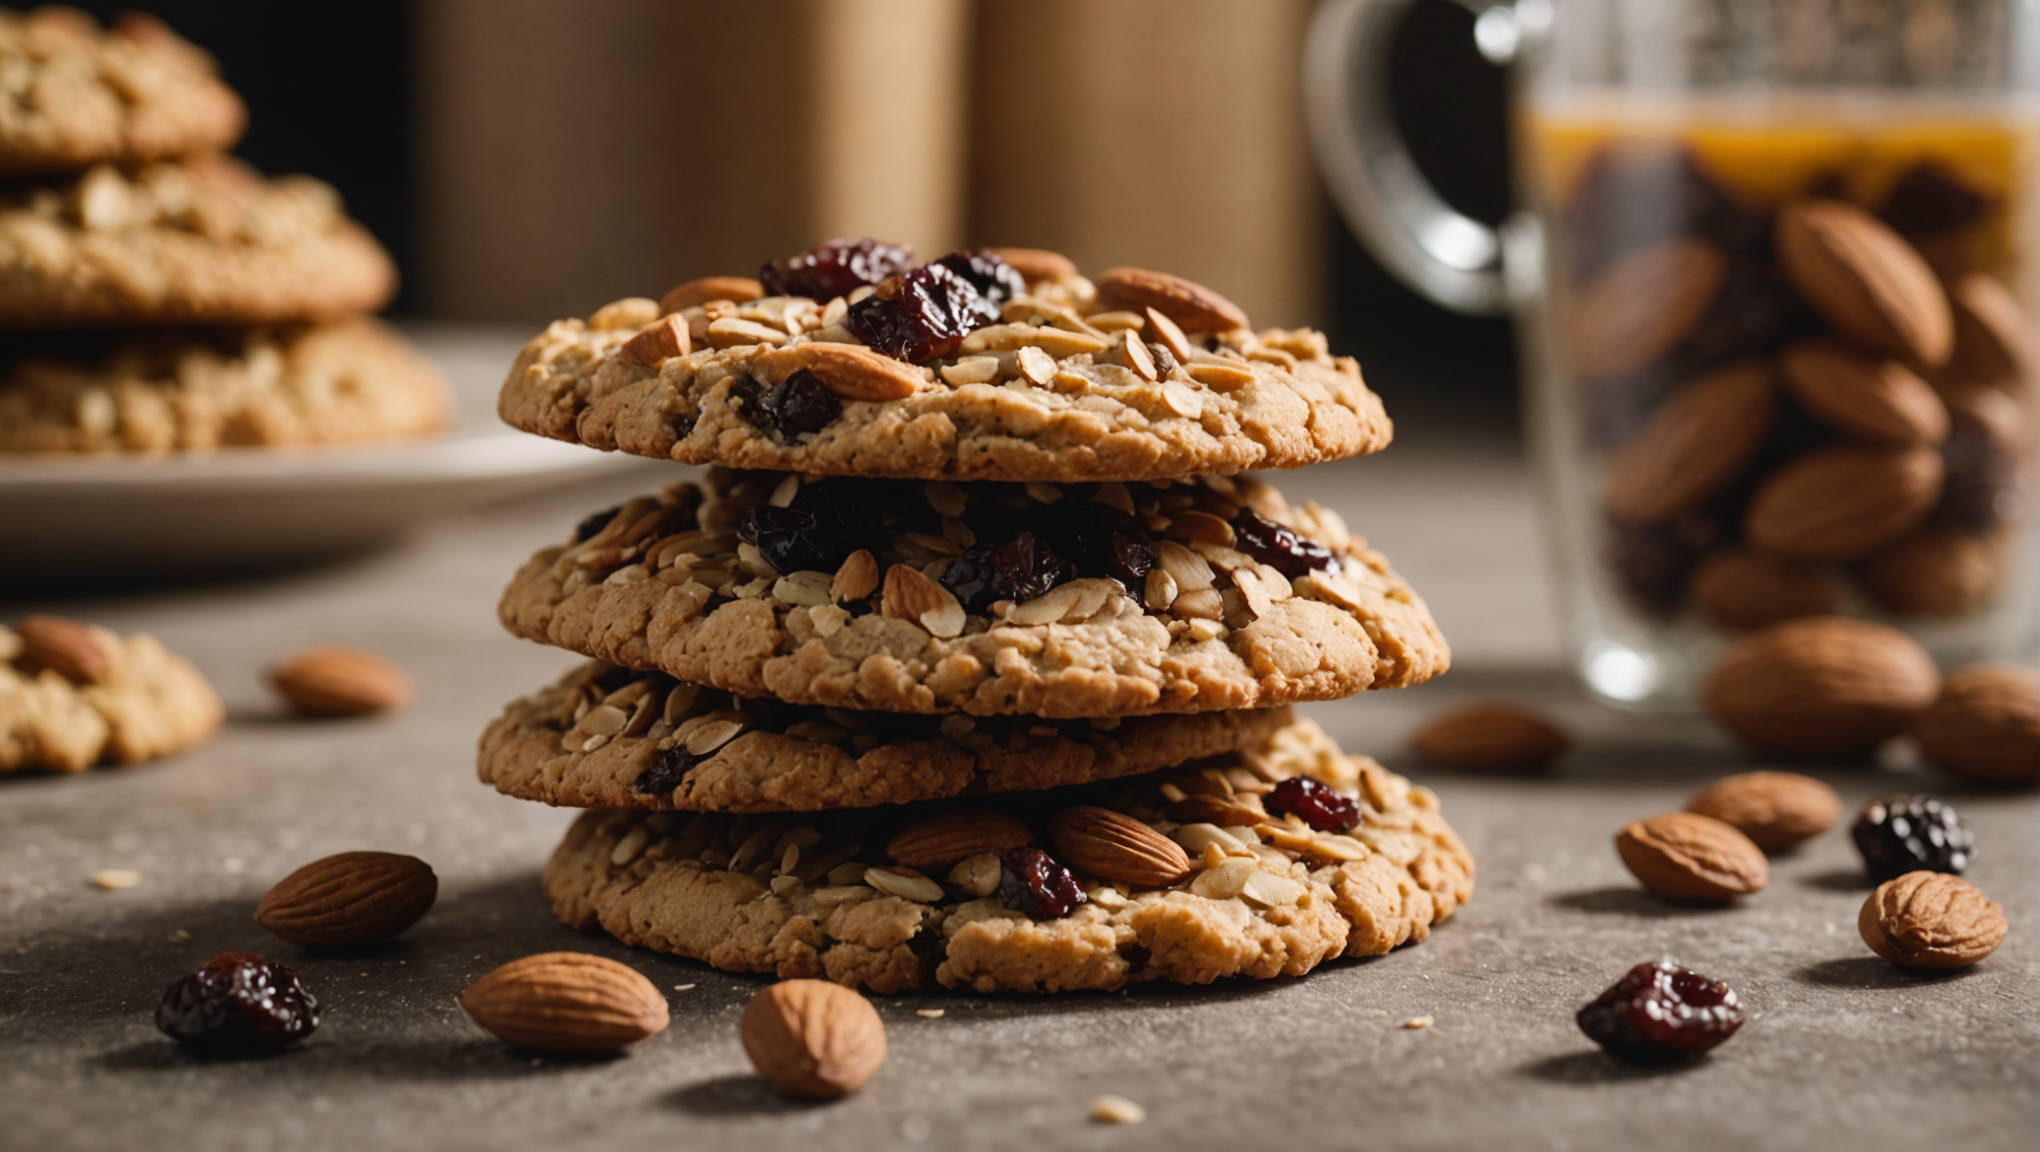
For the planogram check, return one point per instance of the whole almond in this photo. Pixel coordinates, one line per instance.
(910, 595)
(1116, 847)
(1864, 280)
(78, 652)
(941, 840)
(737, 289)
(1738, 588)
(1940, 574)
(340, 681)
(847, 370)
(1686, 856)
(856, 579)
(1037, 264)
(1869, 398)
(1224, 811)
(1643, 305)
(1776, 810)
(566, 1002)
(1490, 738)
(1931, 920)
(1188, 303)
(352, 898)
(1994, 341)
(1822, 687)
(813, 1038)
(1985, 725)
(658, 342)
(1693, 445)
(1843, 502)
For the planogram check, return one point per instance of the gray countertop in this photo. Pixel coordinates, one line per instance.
(1841, 1048)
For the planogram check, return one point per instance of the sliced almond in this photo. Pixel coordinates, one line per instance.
(658, 341)
(856, 579)
(909, 595)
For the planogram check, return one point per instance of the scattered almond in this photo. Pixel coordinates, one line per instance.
(1776, 810)
(1686, 856)
(814, 1038)
(1643, 305)
(910, 595)
(339, 681)
(1117, 1110)
(1738, 588)
(1117, 847)
(78, 652)
(1864, 280)
(566, 1002)
(1037, 264)
(658, 341)
(1491, 738)
(1985, 725)
(947, 837)
(1188, 303)
(856, 579)
(1843, 502)
(352, 898)
(116, 879)
(848, 370)
(1931, 920)
(737, 289)
(1822, 687)
(1694, 444)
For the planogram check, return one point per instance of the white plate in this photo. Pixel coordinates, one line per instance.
(242, 508)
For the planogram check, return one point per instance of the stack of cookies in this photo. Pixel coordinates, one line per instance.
(161, 296)
(969, 660)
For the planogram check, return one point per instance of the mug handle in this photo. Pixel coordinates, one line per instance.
(1452, 258)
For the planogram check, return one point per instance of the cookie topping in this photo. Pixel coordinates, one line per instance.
(1315, 803)
(1031, 881)
(834, 268)
(922, 315)
(1280, 548)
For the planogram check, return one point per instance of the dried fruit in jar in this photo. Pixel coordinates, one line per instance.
(1904, 833)
(1662, 1012)
(238, 1004)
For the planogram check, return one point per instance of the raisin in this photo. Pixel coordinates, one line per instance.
(1103, 541)
(1280, 548)
(922, 315)
(1631, 197)
(1032, 882)
(666, 772)
(995, 280)
(586, 529)
(238, 1004)
(1928, 199)
(1662, 1012)
(1652, 562)
(835, 268)
(1901, 834)
(1018, 570)
(1982, 486)
(816, 532)
(1315, 803)
(799, 405)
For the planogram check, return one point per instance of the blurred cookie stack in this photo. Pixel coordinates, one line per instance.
(968, 662)
(160, 296)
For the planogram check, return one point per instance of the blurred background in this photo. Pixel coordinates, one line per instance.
(531, 159)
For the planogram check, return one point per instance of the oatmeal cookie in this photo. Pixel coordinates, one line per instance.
(609, 737)
(201, 242)
(1054, 380)
(1353, 864)
(193, 389)
(72, 696)
(75, 95)
(1076, 600)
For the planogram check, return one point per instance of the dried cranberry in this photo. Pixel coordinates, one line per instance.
(1278, 547)
(816, 532)
(1018, 570)
(586, 529)
(1928, 199)
(835, 268)
(1315, 803)
(1031, 881)
(238, 1004)
(1982, 486)
(1901, 834)
(995, 280)
(922, 315)
(798, 406)
(666, 772)
(1662, 1011)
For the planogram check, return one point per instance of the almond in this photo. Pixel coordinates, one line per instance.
(1489, 738)
(945, 838)
(737, 289)
(910, 595)
(856, 579)
(566, 1002)
(1187, 302)
(78, 652)
(1822, 687)
(1865, 397)
(339, 681)
(1844, 502)
(352, 898)
(1864, 280)
(1686, 856)
(1037, 264)
(813, 1038)
(1993, 333)
(1738, 588)
(847, 370)
(1931, 920)
(2004, 418)
(1115, 847)
(1693, 445)
(1218, 811)
(1776, 810)
(1985, 725)
(656, 342)
(1940, 574)
(1643, 305)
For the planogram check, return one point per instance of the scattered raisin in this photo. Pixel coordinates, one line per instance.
(586, 529)
(1315, 803)
(238, 1004)
(1901, 834)
(1280, 548)
(834, 268)
(922, 315)
(799, 405)
(1031, 881)
(1928, 199)
(1982, 486)
(666, 772)
(816, 532)
(1018, 570)
(1103, 541)
(1662, 1011)
(995, 280)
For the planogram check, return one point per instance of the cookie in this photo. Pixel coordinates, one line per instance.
(1054, 384)
(1075, 600)
(827, 896)
(609, 737)
(193, 389)
(72, 696)
(201, 242)
(76, 96)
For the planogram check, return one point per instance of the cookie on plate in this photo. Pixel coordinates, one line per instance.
(75, 95)
(73, 695)
(193, 389)
(962, 370)
(1077, 600)
(1263, 864)
(609, 737)
(205, 241)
